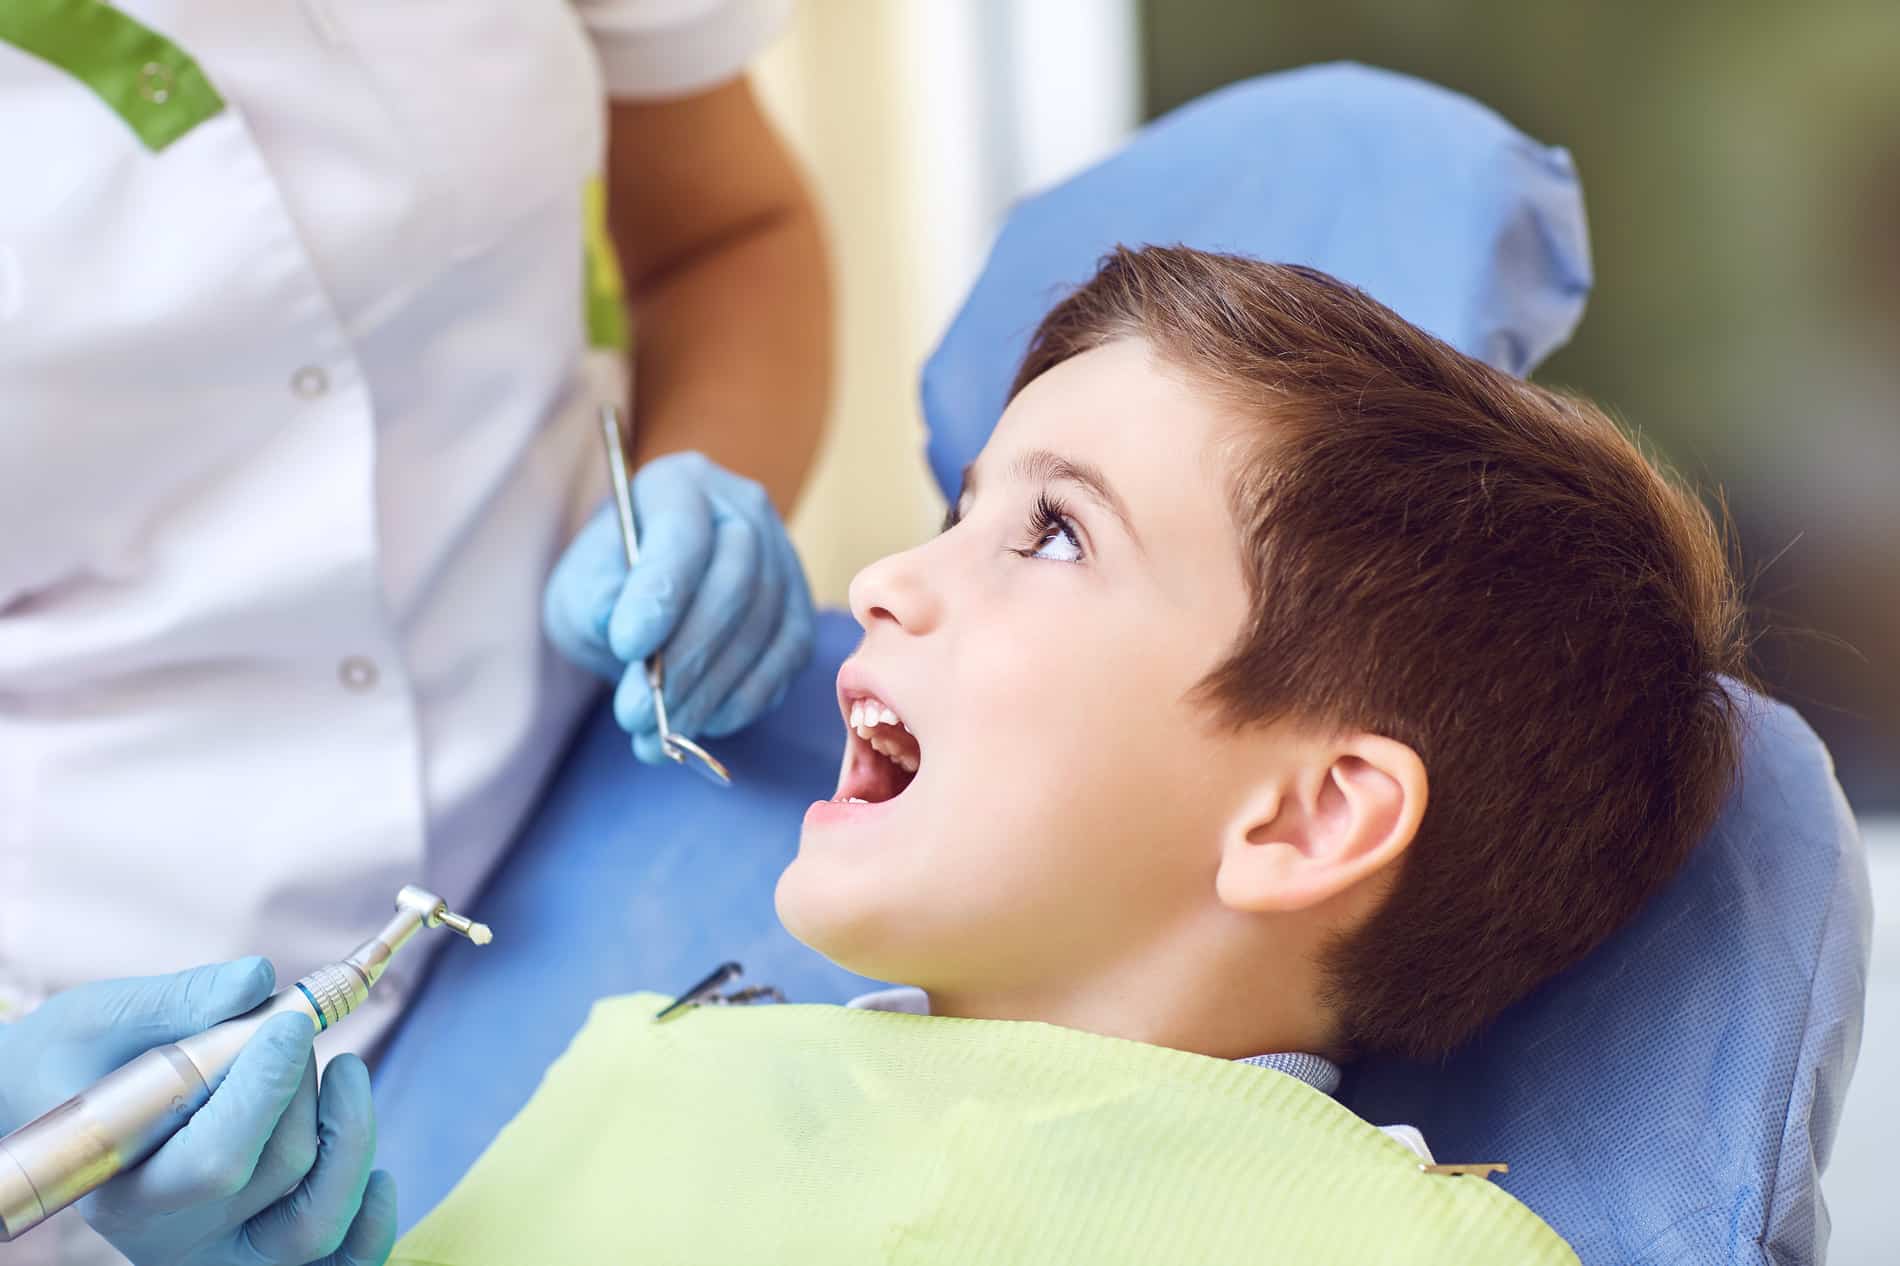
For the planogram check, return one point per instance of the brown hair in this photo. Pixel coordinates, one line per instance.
(1482, 569)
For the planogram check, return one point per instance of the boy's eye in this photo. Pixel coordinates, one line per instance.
(1059, 545)
(1052, 534)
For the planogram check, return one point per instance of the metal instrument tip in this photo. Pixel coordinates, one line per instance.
(476, 932)
(712, 983)
(702, 762)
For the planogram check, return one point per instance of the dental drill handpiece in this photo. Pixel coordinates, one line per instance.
(123, 1117)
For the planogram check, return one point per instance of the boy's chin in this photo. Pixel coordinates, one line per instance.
(826, 912)
(815, 912)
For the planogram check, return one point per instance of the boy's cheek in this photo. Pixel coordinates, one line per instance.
(1049, 678)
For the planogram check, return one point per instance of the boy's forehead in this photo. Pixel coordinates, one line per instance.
(1120, 409)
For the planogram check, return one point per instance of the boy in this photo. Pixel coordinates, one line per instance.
(1285, 686)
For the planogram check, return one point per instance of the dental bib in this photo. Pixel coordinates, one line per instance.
(818, 1134)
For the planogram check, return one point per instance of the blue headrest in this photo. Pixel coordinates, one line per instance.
(1426, 200)
(1674, 1098)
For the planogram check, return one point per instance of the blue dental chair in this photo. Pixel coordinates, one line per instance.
(1673, 1099)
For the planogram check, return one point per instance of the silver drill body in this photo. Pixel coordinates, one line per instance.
(126, 1115)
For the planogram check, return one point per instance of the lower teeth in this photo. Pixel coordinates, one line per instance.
(849, 800)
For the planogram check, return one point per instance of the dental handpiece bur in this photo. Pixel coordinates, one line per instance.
(126, 1115)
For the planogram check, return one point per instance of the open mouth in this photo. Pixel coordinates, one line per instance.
(881, 756)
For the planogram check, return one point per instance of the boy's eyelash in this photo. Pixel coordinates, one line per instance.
(1049, 515)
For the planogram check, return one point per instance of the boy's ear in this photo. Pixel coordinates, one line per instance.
(1341, 811)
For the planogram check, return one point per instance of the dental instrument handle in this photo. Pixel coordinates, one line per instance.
(677, 746)
(630, 541)
(125, 1116)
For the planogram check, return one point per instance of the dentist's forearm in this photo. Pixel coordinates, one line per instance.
(733, 352)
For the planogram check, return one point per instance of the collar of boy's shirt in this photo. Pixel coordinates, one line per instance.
(1317, 1071)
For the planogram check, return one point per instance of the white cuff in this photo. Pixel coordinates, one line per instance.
(655, 50)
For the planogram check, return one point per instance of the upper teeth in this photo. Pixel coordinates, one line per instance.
(866, 716)
(869, 713)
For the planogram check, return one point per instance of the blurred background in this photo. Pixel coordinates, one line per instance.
(1741, 165)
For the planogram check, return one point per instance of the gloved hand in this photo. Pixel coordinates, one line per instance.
(718, 588)
(273, 1168)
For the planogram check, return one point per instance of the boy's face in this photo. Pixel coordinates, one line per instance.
(1069, 796)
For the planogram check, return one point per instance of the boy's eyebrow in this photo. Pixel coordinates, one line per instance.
(1042, 466)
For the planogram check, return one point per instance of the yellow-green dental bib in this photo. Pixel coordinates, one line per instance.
(741, 1136)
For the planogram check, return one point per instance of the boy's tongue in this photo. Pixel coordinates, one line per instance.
(872, 779)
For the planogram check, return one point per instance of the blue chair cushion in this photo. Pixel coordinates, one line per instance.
(1671, 1100)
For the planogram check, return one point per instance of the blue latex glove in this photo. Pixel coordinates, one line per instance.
(718, 587)
(273, 1169)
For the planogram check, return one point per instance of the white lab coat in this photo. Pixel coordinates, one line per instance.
(294, 420)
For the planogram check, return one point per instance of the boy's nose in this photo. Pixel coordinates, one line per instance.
(897, 589)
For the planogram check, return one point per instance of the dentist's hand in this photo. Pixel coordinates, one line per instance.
(273, 1169)
(718, 588)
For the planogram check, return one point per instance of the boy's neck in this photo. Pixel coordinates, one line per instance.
(1226, 1015)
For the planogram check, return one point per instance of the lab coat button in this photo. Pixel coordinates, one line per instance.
(310, 382)
(358, 674)
(155, 83)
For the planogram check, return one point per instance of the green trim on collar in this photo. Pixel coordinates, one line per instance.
(148, 81)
